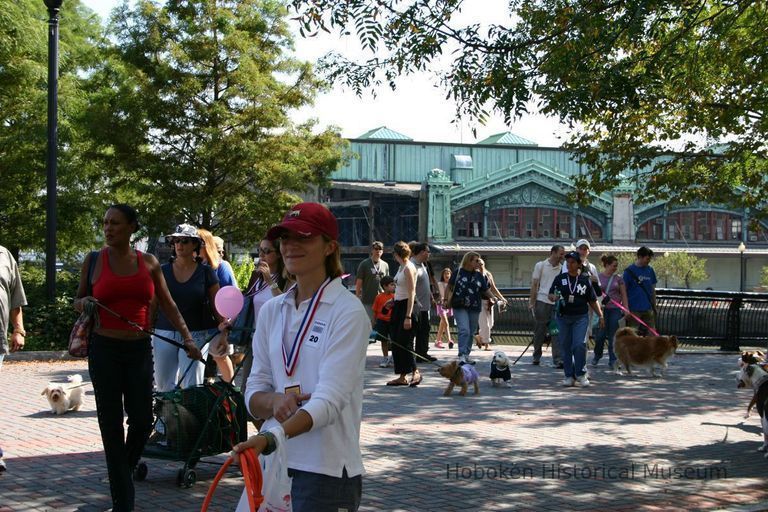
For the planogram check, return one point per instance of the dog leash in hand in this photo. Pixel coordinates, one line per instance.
(621, 307)
(390, 340)
(138, 327)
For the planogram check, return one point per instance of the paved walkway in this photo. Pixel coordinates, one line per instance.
(626, 443)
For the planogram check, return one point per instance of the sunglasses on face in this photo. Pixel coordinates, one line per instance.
(264, 251)
(182, 240)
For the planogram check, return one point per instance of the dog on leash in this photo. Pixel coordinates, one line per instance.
(746, 359)
(752, 375)
(459, 375)
(65, 397)
(643, 351)
(500, 372)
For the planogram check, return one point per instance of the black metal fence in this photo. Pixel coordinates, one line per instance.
(726, 320)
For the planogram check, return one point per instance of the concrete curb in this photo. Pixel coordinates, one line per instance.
(41, 355)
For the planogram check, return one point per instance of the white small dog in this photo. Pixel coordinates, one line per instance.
(500, 373)
(63, 397)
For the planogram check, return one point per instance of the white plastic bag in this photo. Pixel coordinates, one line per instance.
(276, 486)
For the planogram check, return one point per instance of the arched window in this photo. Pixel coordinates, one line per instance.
(700, 226)
(524, 223)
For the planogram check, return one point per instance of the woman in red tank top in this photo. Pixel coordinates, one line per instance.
(119, 356)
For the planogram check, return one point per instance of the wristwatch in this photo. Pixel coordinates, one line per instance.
(274, 286)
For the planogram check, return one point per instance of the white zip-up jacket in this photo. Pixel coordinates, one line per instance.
(330, 366)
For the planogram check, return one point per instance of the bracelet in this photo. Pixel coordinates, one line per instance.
(20, 332)
(274, 286)
(271, 442)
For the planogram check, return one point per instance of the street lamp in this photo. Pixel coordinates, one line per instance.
(742, 266)
(53, 103)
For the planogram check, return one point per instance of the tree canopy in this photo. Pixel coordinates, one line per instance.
(191, 117)
(23, 125)
(669, 96)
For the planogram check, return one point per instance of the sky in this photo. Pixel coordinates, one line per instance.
(417, 108)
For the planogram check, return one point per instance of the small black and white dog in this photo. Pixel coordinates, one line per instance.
(754, 376)
(500, 370)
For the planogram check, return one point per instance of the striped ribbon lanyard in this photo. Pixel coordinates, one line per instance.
(290, 359)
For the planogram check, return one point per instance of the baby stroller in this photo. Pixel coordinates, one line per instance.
(193, 423)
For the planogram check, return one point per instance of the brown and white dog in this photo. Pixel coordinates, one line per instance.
(643, 351)
(459, 375)
(748, 358)
(752, 375)
(63, 397)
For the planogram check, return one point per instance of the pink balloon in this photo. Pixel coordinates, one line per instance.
(229, 301)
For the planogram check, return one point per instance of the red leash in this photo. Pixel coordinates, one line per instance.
(249, 465)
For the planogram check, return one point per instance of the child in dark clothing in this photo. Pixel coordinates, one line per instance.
(382, 311)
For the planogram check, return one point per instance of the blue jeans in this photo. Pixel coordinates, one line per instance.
(612, 317)
(467, 322)
(313, 492)
(573, 346)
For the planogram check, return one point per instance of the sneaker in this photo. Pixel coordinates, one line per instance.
(462, 359)
(450, 345)
(594, 362)
(583, 381)
(3, 468)
(568, 382)
(386, 363)
(439, 344)
(470, 361)
(536, 363)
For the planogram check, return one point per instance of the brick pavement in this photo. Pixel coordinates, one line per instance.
(626, 443)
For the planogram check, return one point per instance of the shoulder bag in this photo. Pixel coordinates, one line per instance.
(81, 331)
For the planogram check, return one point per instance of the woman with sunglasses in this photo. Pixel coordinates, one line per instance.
(120, 356)
(268, 280)
(308, 367)
(193, 287)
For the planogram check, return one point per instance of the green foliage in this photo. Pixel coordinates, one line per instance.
(764, 277)
(192, 119)
(243, 271)
(48, 324)
(23, 122)
(667, 97)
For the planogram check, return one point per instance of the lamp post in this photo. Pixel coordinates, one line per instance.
(742, 266)
(53, 103)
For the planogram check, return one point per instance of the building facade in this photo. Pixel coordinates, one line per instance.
(507, 198)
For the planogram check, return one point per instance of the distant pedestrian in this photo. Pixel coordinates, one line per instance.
(12, 299)
(614, 291)
(444, 329)
(540, 305)
(466, 291)
(368, 278)
(401, 325)
(420, 258)
(485, 320)
(578, 296)
(640, 279)
(382, 312)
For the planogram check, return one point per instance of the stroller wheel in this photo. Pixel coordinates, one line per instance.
(186, 478)
(140, 472)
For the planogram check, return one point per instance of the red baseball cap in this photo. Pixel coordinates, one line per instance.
(307, 219)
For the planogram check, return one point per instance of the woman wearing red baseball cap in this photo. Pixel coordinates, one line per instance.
(307, 376)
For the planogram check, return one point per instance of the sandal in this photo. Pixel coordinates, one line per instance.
(397, 382)
(415, 382)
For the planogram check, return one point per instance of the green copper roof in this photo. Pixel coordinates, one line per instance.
(507, 138)
(384, 133)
